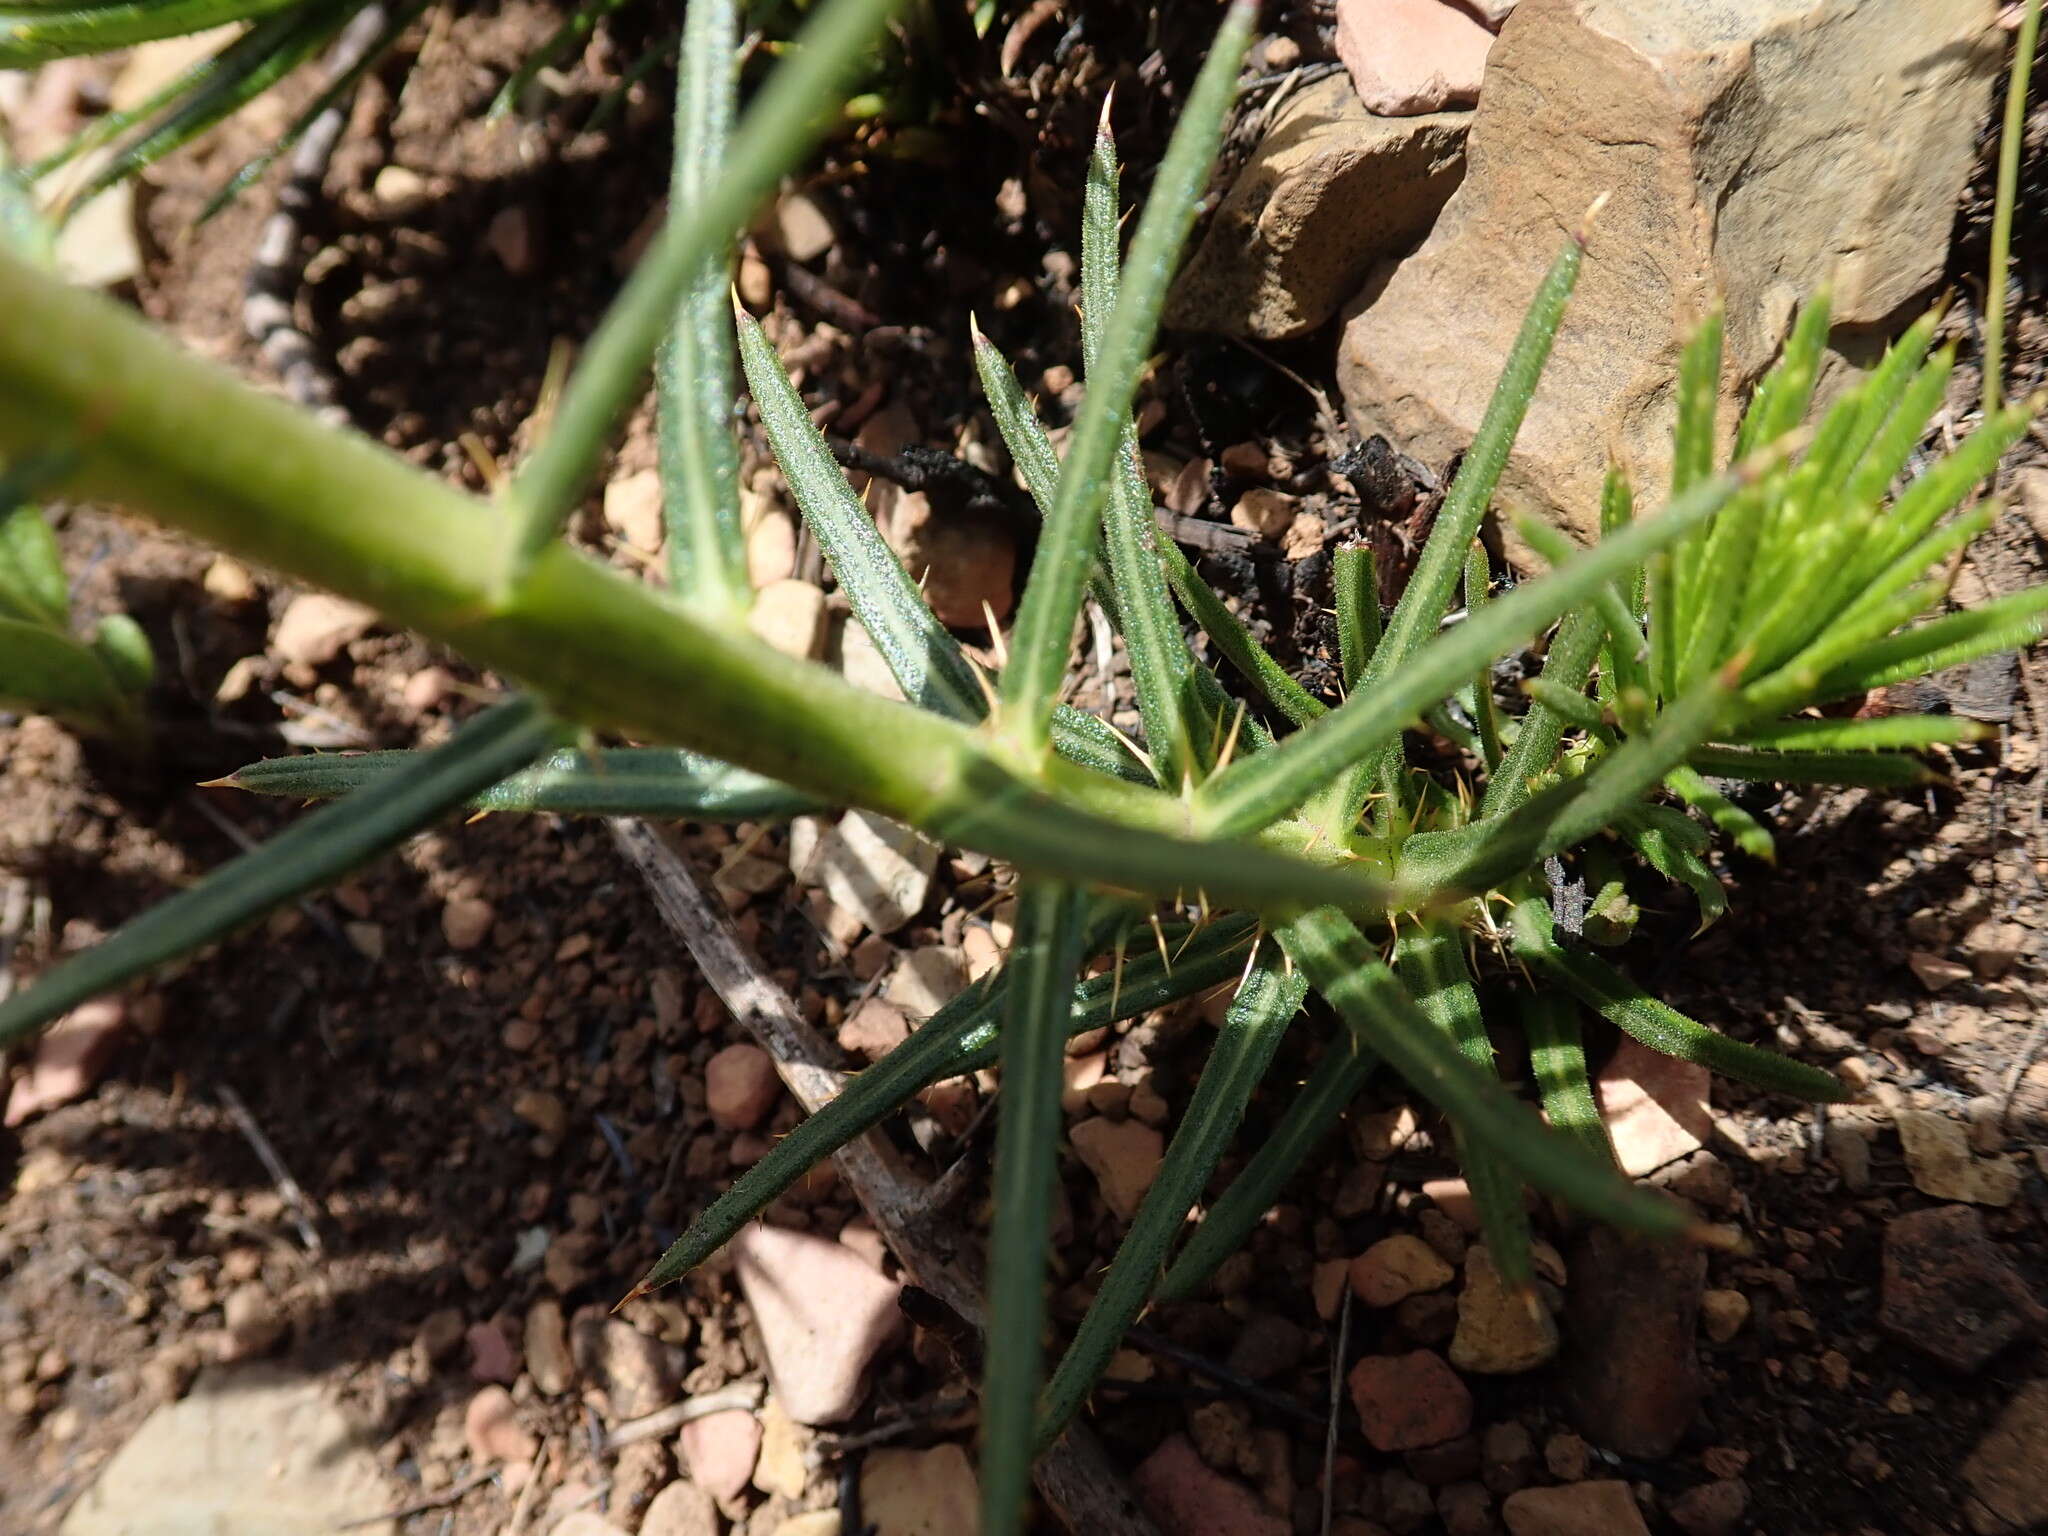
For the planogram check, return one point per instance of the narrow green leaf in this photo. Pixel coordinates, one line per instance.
(319, 849)
(1781, 399)
(1347, 970)
(1874, 770)
(32, 586)
(1671, 843)
(124, 650)
(1909, 733)
(1358, 611)
(1661, 1028)
(1733, 821)
(2004, 624)
(1049, 944)
(693, 371)
(927, 661)
(1042, 640)
(1534, 749)
(35, 34)
(1257, 1018)
(1337, 1080)
(1557, 1057)
(1254, 663)
(46, 671)
(1570, 708)
(1263, 788)
(1485, 714)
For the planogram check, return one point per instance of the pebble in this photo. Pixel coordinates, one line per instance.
(512, 238)
(314, 627)
(1655, 1106)
(874, 1029)
(1124, 1156)
(635, 1371)
(543, 1111)
(926, 979)
(876, 869)
(491, 1356)
(1395, 1268)
(398, 188)
(771, 546)
(1848, 1148)
(791, 616)
(228, 581)
(1566, 1455)
(684, 1509)
(1264, 513)
(584, 1522)
(801, 228)
(779, 1468)
(254, 1324)
(1711, 1509)
(1326, 1287)
(1939, 1158)
(491, 1427)
(719, 1451)
(1949, 1291)
(68, 1059)
(1507, 1456)
(920, 1493)
(1411, 56)
(1502, 1330)
(2007, 1472)
(1936, 972)
(741, 1086)
(438, 1335)
(1723, 1314)
(1188, 1497)
(1576, 1509)
(1466, 1509)
(632, 509)
(1631, 1378)
(1408, 1401)
(548, 1360)
(824, 1315)
(819, 1522)
(466, 921)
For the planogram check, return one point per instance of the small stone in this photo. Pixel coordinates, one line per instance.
(780, 1467)
(1187, 1497)
(1264, 513)
(1124, 1156)
(1507, 1457)
(684, 1509)
(635, 1371)
(874, 1029)
(438, 1336)
(314, 627)
(926, 979)
(1723, 1314)
(1848, 1148)
(1937, 973)
(1949, 1291)
(771, 547)
(1491, 12)
(548, 1360)
(1398, 1267)
(491, 1357)
(229, 582)
(1655, 1107)
(68, 1059)
(584, 1522)
(719, 1451)
(398, 189)
(791, 616)
(963, 560)
(1268, 1346)
(255, 1326)
(741, 1086)
(1566, 1455)
(1466, 1509)
(1994, 948)
(1575, 1509)
(1327, 1285)
(510, 236)
(1938, 1157)
(920, 1493)
(819, 1522)
(491, 1427)
(543, 1111)
(466, 921)
(1502, 1331)
(1711, 1509)
(632, 509)
(2007, 1473)
(1631, 1378)
(1408, 1401)
(876, 869)
(1304, 537)
(427, 689)
(824, 1315)
(1411, 56)
(801, 228)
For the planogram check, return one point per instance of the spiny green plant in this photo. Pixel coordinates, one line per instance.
(1317, 856)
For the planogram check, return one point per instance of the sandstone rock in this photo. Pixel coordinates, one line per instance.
(920, 1493)
(1264, 513)
(1409, 56)
(2007, 1473)
(1937, 973)
(682, 1509)
(1752, 149)
(1948, 1290)
(252, 1451)
(1501, 1331)
(491, 1427)
(824, 1314)
(926, 979)
(1723, 1314)
(791, 616)
(1490, 12)
(1939, 1158)
(1655, 1107)
(818, 1522)
(1188, 1497)
(1124, 1156)
(719, 1451)
(966, 561)
(874, 1029)
(636, 1372)
(1631, 1379)
(1408, 1401)
(67, 1059)
(314, 627)
(466, 921)
(1329, 190)
(876, 869)
(741, 1086)
(779, 1467)
(548, 1360)
(1711, 1509)
(1397, 1267)
(1575, 1509)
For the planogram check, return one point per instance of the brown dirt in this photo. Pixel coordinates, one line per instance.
(402, 1081)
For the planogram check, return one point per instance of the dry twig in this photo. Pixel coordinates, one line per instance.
(288, 1190)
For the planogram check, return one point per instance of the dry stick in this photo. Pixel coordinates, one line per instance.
(1075, 1476)
(1343, 1347)
(740, 1394)
(288, 1189)
(529, 1494)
